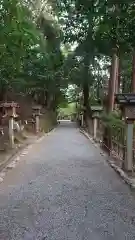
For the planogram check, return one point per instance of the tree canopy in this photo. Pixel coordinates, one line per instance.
(46, 45)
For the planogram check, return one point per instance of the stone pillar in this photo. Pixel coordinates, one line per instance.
(128, 161)
(37, 124)
(95, 127)
(133, 74)
(10, 112)
(36, 114)
(11, 131)
(82, 121)
(96, 110)
(127, 102)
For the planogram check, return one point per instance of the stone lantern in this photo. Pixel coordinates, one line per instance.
(127, 103)
(36, 113)
(10, 109)
(10, 113)
(96, 110)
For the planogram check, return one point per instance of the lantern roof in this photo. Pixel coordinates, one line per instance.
(125, 98)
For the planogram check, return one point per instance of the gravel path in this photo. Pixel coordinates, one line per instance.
(63, 189)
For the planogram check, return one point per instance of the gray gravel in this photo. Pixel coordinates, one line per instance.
(63, 189)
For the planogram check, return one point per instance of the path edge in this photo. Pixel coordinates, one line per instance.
(10, 158)
(122, 174)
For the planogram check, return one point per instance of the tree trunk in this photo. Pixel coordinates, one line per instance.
(46, 98)
(86, 100)
(113, 81)
(119, 75)
(112, 89)
(3, 93)
(86, 89)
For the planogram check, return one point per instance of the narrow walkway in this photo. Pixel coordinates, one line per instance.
(63, 189)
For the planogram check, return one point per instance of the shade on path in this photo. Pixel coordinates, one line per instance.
(63, 189)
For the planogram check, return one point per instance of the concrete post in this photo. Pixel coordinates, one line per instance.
(11, 131)
(95, 128)
(82, 121)
(10, 112)
(128, 161)
(37, 123)
(133, 74)
(133, 84)
(36, 114)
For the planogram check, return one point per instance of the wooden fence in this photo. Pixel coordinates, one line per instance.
(112, 137)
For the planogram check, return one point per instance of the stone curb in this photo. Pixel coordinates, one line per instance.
(123, 175)
(11, 155)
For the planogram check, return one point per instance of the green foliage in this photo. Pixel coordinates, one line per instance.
(32, 36)
(96, 27)
(112, 120)
(67, 110)
(31, 60)
(18, 35)
(115, 126)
